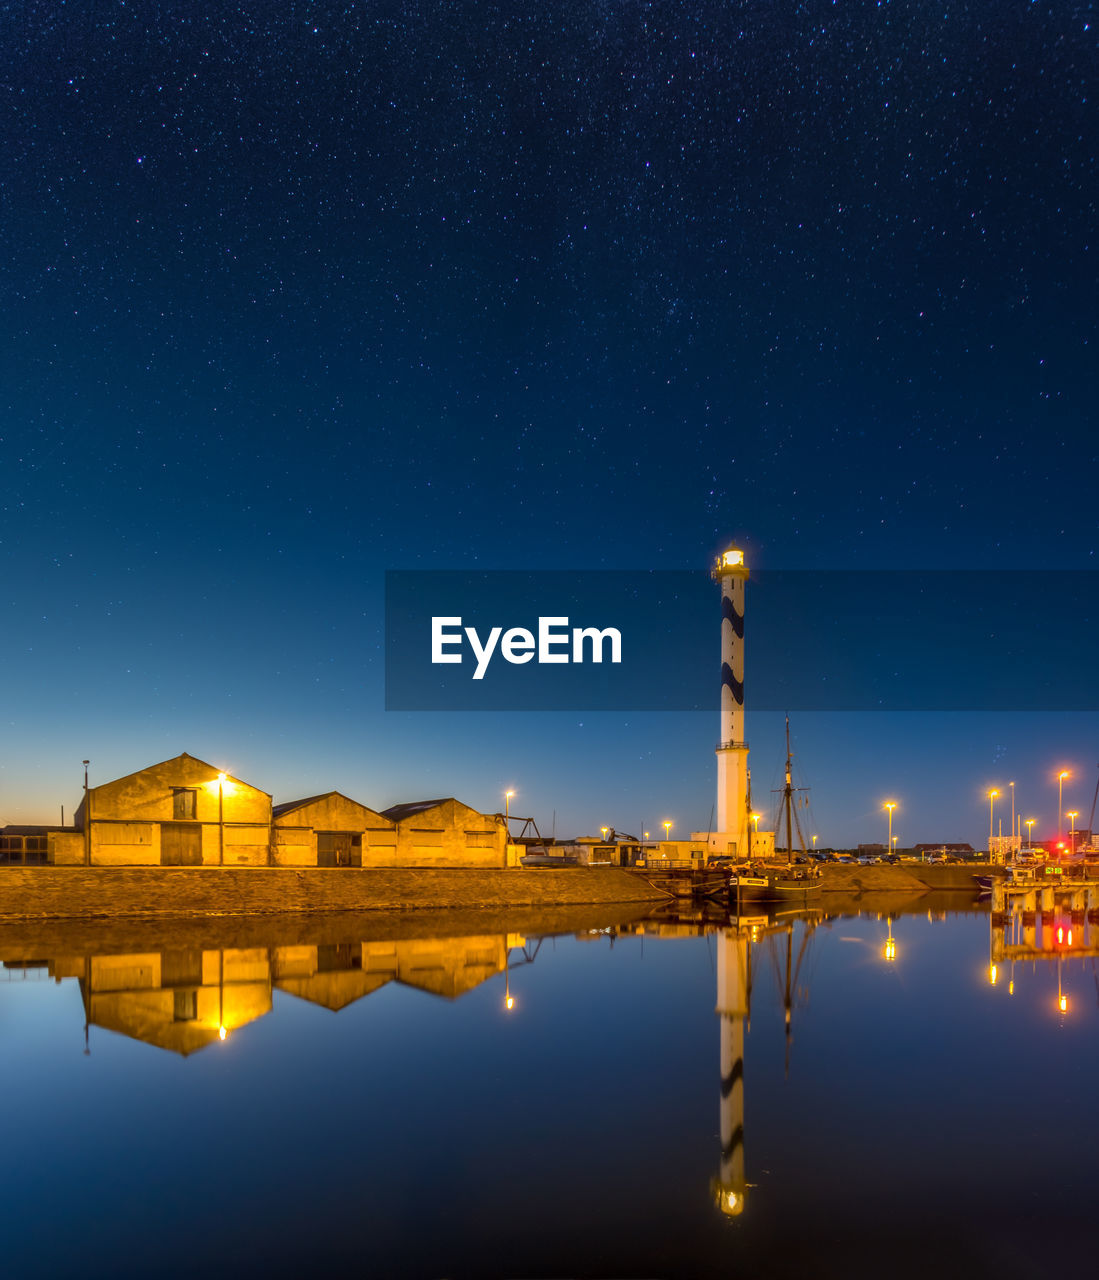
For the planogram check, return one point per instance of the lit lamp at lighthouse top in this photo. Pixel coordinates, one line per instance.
(730, 564)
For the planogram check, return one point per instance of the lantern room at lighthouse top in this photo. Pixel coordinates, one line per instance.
(730, 564)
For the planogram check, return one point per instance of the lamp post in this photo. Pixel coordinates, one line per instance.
(507, 809)
(1072, 815)
(991, 803)
(1030, 832)
(667, 828)
(221, 822)
(890, 805)
(1060, 792)
(1012, 786)
(894, 849)
(87, 819)
(604, 830)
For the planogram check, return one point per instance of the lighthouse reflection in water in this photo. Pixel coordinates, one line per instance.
(679, 1094)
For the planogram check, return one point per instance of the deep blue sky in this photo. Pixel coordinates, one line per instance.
(294, 294)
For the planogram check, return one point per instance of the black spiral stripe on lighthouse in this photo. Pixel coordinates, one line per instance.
(735, 686)
(728, 1083)
(736, 619)
(736, 1140)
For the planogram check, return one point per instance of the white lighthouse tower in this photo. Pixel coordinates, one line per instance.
(732, 834)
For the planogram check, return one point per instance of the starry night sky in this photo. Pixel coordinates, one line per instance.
(294, 294)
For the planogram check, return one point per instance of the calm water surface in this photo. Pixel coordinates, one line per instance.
(862, 1106)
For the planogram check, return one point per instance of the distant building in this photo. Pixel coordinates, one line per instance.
(955, 850)
(26, 846)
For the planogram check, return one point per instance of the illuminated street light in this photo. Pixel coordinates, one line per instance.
(1030, 832)
(1060, 791)
(604, 831)
(507, 809)
(890, 805)
(667, 828)
(1012, 786)
(1072, 815)
(221, 833)
(755, 818)
(991, 805)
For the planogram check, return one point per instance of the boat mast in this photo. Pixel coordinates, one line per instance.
(789, 828)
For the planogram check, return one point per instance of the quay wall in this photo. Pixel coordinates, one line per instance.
(97, 892)
(906, 877)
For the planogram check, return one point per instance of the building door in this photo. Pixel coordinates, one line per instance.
(180, 844)
(339, 849)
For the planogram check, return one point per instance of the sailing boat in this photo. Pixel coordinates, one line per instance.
(792, 882)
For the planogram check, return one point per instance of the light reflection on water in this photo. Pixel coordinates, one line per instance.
(674, 1097)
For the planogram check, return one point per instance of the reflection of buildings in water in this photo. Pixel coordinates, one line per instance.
(185, 999)
(177, 1000)
(335, 976)
(1044, 925)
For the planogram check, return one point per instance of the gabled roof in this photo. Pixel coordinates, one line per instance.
(183, 755)
(398, 811)
(289, 806)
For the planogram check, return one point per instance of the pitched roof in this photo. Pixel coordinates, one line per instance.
(279, 809)
(399, 811)
(183, 755)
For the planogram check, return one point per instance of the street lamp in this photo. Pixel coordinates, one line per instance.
(1060, 790)
(1012, 786)
(667, 828)
(755, 818)
(604, 831)
(507, 809)
(890, 805)
(895, 839)
(814, 842)
(221, 822)
(991, 803)
(1030, 833)
(1072, 815)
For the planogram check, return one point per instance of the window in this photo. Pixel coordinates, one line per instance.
(186, 1006)
(183, 802)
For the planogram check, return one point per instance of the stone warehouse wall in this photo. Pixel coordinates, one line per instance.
(86, 892)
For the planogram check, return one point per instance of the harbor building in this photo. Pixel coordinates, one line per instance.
(331, 831)
(184, 812)
(448, 833)
(180, 813)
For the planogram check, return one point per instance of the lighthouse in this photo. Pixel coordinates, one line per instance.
(732, 834)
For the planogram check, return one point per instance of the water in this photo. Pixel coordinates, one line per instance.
(916, 1115)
